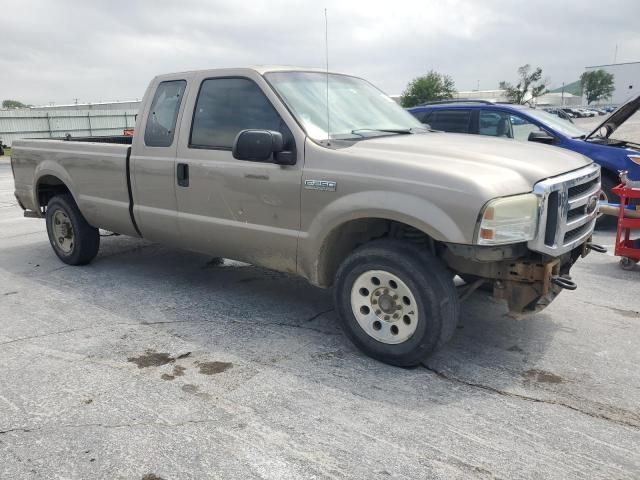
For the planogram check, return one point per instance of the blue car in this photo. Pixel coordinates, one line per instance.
(524, 124)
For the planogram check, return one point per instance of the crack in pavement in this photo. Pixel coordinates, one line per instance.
(318, 315)
(21, 339)
(102, 425)
(164, 322)
(10, 430)
(624, 312)
(487, 388)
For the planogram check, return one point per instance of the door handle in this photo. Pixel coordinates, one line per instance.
(183, 174)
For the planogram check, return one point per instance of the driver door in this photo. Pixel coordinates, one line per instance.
(244, 210)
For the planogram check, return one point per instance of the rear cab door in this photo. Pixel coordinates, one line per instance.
(153, 158)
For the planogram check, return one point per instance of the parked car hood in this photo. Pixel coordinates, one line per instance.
(617, 118)
(486, 159)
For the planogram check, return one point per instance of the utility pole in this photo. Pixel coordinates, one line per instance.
(562, 94)
(615, 54)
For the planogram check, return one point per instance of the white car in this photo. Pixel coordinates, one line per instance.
(587, 113)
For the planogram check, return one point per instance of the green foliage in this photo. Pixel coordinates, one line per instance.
(428, 88)
(597, 85)
(12, 104)
(530, 85)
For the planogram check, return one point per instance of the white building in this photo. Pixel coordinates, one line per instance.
(497, 95)
(558, 99)
(626, 78)
(126, 105)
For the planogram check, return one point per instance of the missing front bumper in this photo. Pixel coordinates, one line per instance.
(528, 283)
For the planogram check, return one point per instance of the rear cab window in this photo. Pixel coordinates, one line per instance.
(161, 121)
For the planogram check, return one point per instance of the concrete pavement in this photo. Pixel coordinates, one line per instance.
(157, 363)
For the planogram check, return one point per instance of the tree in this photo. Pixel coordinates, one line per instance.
(597, 85)
(530, 86)
(12, 104)
(430, 87)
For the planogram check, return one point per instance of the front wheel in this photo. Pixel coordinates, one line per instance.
(396, 302)
(73, 240)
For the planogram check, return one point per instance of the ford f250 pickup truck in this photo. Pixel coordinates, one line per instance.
(322, 175)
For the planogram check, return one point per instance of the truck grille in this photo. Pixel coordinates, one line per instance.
(568, 210)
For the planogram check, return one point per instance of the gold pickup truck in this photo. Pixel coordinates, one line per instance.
(324, 176)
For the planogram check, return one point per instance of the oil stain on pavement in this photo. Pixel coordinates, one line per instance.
(151, 358)
(178, 371)
(542, 376)
(211, 368)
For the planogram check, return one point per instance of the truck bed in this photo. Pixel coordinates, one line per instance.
(118, 139)
(95, 169)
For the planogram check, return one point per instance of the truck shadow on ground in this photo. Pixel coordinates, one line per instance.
(272, 319)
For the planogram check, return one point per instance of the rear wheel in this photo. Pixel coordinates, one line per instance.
(73, 240)
(397, 303)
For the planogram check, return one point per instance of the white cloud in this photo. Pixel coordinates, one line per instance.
(58, 51)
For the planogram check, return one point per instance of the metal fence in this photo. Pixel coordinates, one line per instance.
(16, 124)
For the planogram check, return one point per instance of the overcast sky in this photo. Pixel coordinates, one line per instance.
(56, 51)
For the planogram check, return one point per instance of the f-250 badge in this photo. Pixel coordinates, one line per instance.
(324, 185)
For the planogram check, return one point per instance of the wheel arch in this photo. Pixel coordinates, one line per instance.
(354, 219)
(350, 234)
(48, 186)
(50, 180)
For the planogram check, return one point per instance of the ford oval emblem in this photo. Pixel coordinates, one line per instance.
(592, 205)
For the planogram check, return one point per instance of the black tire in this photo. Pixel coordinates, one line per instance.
(85, 239)
(429, 282)
(606, 222)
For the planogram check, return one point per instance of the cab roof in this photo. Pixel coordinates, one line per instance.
(260, 69)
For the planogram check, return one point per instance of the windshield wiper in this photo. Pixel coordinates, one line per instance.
(399, 131)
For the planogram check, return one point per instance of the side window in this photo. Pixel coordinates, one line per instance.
(455, 121)
(522, 128)
(495, 124)
(161, 122)
(504, 124)
(227, 105)
(421, 116)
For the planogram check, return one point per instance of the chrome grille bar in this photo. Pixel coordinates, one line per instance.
(567, 211)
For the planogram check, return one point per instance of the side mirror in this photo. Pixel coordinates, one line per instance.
(257, 145)
(541, 137)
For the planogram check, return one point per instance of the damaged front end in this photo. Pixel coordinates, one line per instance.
(527, 281)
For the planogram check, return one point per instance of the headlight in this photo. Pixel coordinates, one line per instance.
(508, 220)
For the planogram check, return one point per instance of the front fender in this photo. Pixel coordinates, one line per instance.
(408, 209)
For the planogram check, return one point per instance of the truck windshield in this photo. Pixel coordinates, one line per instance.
(357, 108)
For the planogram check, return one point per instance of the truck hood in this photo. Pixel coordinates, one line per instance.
(617, 118)
(493, 160)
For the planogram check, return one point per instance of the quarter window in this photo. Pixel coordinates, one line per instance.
(225, 106)
(161, 122)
